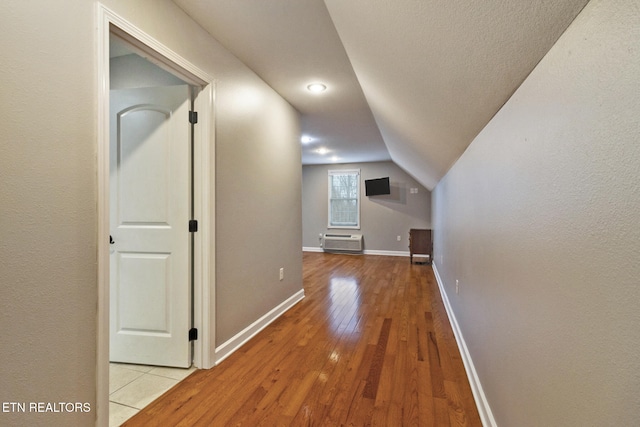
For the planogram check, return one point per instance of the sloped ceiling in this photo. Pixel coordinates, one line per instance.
(410, 80)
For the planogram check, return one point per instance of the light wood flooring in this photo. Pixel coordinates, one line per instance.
(369, 345)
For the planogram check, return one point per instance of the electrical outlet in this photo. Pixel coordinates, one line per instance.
(282, 274)
(399, 238)
(457, 285)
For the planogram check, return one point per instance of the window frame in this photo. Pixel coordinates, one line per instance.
(358, 199)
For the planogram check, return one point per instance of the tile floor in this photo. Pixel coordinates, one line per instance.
(132, 387)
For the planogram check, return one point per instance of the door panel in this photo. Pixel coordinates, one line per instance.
(149, 199)
(144, 278)
(144, 152)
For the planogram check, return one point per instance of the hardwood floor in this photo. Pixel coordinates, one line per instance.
(369, 345)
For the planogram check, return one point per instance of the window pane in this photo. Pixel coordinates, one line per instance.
(344, 212)
(344, 199)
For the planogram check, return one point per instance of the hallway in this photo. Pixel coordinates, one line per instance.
(369, 344)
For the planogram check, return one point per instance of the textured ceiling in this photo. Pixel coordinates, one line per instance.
(415, 80)
(290, 44)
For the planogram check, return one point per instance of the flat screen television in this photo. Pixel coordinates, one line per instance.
(377, 187)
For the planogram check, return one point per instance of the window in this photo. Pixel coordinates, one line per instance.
(344, 198)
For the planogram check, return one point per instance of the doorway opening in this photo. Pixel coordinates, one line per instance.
(151, 257)
(150, 203)
(155, 210)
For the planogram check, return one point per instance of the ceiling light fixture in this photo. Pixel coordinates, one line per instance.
(317, 87)
(322, 151)
(306, 139)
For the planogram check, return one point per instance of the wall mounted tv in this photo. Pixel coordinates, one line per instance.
(377, 187)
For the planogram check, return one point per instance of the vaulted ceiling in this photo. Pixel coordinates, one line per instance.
(413, 81)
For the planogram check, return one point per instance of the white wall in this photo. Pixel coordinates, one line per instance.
(539, 220)
(48, 274)
(382, 218)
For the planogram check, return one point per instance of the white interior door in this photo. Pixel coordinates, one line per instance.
(149, 215)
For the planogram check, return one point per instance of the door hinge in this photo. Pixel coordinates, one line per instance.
(193, 117)
(193, 334)
(193, 225)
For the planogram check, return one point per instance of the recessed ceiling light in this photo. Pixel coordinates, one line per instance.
(322, 151)
(335, 158)
(306, 139)
(317, 87)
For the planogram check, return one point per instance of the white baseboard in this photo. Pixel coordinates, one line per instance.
(365, 252)
(486, 416)
(231, 345)
(386, 253)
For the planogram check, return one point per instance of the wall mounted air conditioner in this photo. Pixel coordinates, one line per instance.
(342, 242)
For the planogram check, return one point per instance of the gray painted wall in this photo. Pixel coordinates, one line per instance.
(48, 285)
(48, 273)
(539, 220)
(258, 204)
(382, 218)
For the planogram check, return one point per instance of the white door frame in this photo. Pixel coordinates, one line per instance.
(204, 172)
